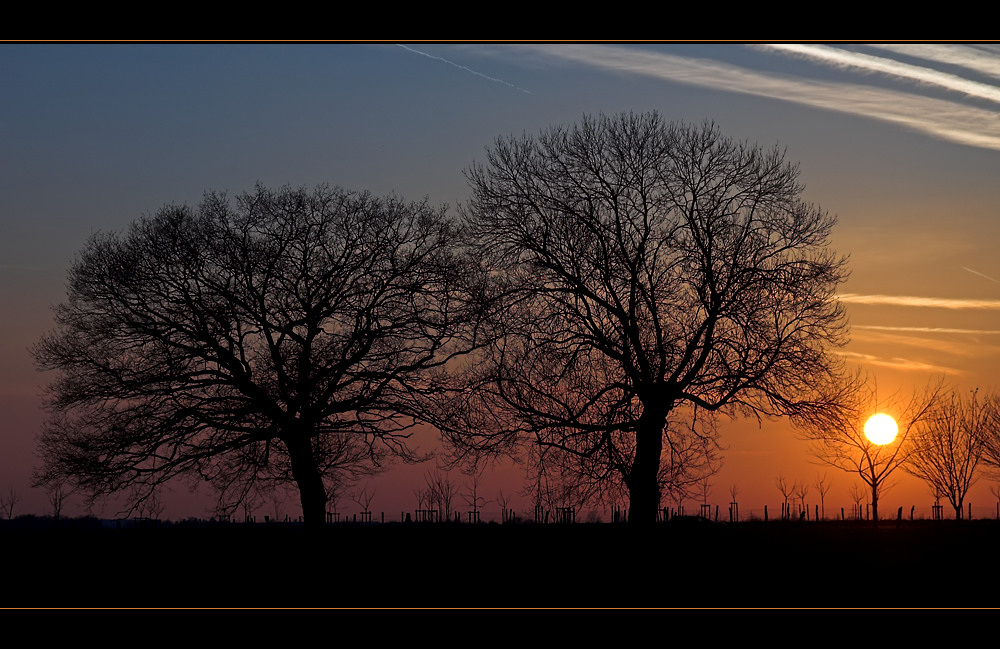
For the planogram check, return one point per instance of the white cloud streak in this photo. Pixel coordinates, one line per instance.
(913, 301)
(946, 120)
(977, 59)
(903, 364)
(845, 59)
(930, 330)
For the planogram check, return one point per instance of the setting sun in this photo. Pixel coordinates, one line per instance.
(881, 429)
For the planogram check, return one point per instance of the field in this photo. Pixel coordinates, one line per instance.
(827, 565)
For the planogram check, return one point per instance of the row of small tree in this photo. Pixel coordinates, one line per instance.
(945, 437)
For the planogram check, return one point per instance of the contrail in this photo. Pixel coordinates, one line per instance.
(976, 272)
(462, 67)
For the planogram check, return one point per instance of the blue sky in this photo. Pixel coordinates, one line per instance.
(902, 142)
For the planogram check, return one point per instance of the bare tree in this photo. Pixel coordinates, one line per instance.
(835, 430)
(655, 274)
(786, 490)
(504, 501)
(949, 445)
(858, 495)
(57, 493)
(801, 491)
(441, 491)
(146, 503)
(823, 486)
(287, 337)
(472, 488)
(9, 501)
(363, 497)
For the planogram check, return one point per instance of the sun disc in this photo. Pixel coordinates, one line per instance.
(881, 429)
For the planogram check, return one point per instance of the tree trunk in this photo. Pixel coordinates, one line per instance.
(312, 492)
(874, 510)
(643, 481)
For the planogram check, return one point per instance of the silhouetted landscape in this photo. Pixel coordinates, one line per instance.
(689, 564)
(615, 297)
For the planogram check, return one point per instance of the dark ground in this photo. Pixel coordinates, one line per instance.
(938, 564)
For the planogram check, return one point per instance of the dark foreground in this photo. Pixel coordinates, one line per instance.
(910, 564)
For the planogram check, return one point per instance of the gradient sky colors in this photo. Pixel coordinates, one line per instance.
(901, 141)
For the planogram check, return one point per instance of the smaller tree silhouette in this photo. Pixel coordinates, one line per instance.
(363, 497)
(801, 491)
(995, 490)
(9, 501)
(504, 501)
(57, 493)
(857, 496)
(471, 495)
(835, 429)
(950, 444)
(734, 508)
(822, 485)
(441, 492)
(787, 490)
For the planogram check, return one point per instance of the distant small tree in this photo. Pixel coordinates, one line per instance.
(441, 492)
(147, 504)
(9, 501)
(801, 491)
(472, 487)
(786, 490)
(857, 496)
(950, 444)
(835, 429)
(822, 485)
(363, 497)
(57, 493)
(734, 491)
(995, 490)
(504, 501)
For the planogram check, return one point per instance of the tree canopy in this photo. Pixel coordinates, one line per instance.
(282, 336)
(654, 273)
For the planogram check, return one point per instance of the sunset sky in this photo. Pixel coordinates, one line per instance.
(901, 141)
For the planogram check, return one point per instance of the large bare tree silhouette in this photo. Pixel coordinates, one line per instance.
(656, 273)
(284, 336)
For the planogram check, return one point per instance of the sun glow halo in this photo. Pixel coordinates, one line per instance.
(881, 429)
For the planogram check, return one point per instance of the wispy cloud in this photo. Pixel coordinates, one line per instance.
(931, 330)
(977, 59)
(903, 364)
(913, 301)
(948, 120)
(463, 68)
(846, 59)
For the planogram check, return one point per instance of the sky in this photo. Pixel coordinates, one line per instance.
(900, 141)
